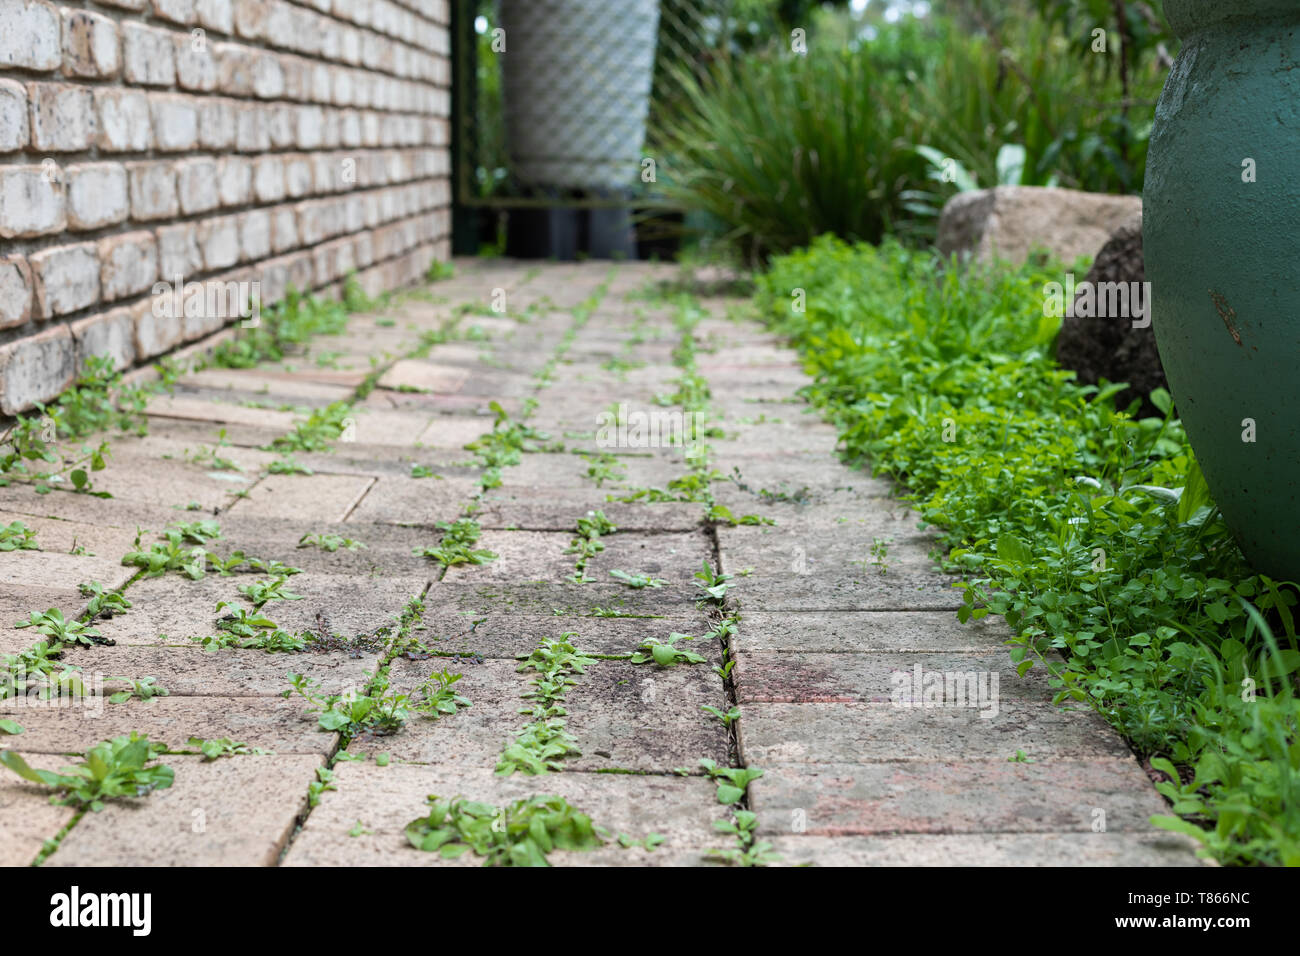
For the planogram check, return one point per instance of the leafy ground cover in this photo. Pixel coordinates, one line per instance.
(1090, 531)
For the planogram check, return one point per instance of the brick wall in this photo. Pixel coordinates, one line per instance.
(283, 143)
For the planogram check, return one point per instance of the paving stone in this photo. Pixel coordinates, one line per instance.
(194, 672)
(386, 799)
(63, 572)
(514, 507)
(521, 556)
(272, 388)
(235, 811)
(465, 593)
(848, 631)
(269, 723)
(1054, 796)
(308, 498)
(196, 409)
(866, 732)
(420, 375)
(989, 849)
(27, 818)
(811, 678)
(624, 716)
(495, 634)
(404, 500)
(18, 601)
(172, 485)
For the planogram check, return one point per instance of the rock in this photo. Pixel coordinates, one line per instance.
(1010, 222)
(1110, 347)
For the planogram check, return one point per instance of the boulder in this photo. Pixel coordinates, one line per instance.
(1108, 346)
(1010, 222)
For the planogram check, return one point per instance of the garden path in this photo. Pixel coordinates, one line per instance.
(841, 620)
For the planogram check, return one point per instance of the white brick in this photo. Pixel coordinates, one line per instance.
(219, 242)
(16, 291)
(110, 335)
(196, 185)
(255, 235)
(284, 229)
(123, 120)
(216, 15)
(31, 201)
(250, 18)
(252, 135)
(97, 195)
(196, 67)
(297, 176)
(156, 332)
(177, 11)
(268, 179)
(67, 278)
(175, 122)
(153, 190)
(267, 77)
(63, 117)
(128, 264)
(36, 369)
(14, 128)
(216, 123)
(91, 46)
(310, 120)
(29, 35)
(178, 252)
(234, 180)
(148, 55)
(280, 125)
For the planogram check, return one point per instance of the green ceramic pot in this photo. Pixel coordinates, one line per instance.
(1221, 243)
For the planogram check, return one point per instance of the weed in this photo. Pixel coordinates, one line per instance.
(439, 699)
(637, 581)
(521, 834)
(54, 625)
(665, 653)
(112, 769)
(16, 536)
(222, 747)
(330, 542)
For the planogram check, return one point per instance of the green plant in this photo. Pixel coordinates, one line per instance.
(16, 536)
(260, 593)
(728, 718)
(637, 581)
(665, 653)
(603, 467)
(102, 603)
(521, 834)
(712, 583)
(439, 699)
(544, 743)
(54, 625)
(457, 545)
(113, 769)
(10, 728)
(376, 709)
(140, 688)
(317, 433)
(222, 747)
(330, 542)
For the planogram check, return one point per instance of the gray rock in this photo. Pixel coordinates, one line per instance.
(1011, 222)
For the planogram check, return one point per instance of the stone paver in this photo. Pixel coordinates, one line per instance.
(872, 711)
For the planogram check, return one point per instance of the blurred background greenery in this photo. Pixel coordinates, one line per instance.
(895, 106)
